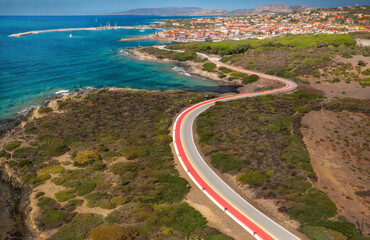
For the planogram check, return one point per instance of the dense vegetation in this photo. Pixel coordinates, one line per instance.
(109, 150)
(164, 54)
(304, 41)
(299, 57)
(258, 140)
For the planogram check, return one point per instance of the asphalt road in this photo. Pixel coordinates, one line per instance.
(255, 222)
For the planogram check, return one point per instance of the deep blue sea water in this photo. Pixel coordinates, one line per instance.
(34, 67)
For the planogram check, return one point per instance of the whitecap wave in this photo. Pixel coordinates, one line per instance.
(62, 92)
(123, 52)
(181, 70)
(26, 111)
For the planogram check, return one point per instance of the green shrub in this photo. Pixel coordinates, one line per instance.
(317, 205)
(316, 73)
(185, 56)
(65, 195)
(45, 110)
(218, 236)
(86, 157)
(221, 75)
(27, 152)
(119, 200)
(53, 169)
(252, 178)
(366, 72)
(52, 219)
(36, 179)
(46, 204)
(162, 140)
(85, 188)
(250, 79)
(4, 154)
(112, 232)
(30, 129)
(132, 153)
(79, 227)
(250, 66)
(12, 145)
(76, 202)
(180, 217)
(289, 74)
(171, 189)
(346, 228)
(361, 63)
(225, 70)
(123, 167)
(39, 194)
(57, 148)
(294, 151)
(226, 162)
(347, 55)
(316, 233)
(239, 75)
(48, 124)
(240, 48)
(98, 199)
(209, 67)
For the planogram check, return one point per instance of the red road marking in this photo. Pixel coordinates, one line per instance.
(192, 171)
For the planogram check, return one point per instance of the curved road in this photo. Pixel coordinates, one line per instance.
(255, 222)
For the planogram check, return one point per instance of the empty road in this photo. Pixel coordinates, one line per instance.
(255, 222)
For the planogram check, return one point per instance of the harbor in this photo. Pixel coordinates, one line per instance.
(108, 27)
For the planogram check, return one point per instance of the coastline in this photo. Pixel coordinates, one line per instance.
(21, 198)
(192, 68)
(195, 69)
(17, 35)
(146, 37)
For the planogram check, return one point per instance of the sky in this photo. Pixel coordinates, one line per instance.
(91, 7)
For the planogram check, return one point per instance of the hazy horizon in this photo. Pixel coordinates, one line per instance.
(100, 7)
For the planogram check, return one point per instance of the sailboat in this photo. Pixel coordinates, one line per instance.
(70, 35)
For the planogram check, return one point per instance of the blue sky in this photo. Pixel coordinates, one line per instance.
(83, 7)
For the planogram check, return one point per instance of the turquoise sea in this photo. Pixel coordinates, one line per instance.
(35, 67)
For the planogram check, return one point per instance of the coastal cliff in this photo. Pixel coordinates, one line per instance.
(14, 200)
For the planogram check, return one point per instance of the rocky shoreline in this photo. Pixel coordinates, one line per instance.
(193, 68)
(14, 195)
(14, 200)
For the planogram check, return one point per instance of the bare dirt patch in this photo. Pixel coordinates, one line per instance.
(339, 150)
(340, 89)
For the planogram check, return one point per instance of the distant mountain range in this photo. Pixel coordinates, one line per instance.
(194, 11)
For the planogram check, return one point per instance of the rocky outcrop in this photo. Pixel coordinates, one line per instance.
(15, 205)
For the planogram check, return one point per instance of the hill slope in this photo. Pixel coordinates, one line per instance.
(195, 11)
(168, 11)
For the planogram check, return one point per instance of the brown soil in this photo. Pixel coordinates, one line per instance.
(262, 84)
(340, 89)
(342, 169)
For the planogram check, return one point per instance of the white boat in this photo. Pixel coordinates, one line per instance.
(142, 30)
(70, 35)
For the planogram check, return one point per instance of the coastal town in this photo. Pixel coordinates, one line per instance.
(338, 20)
